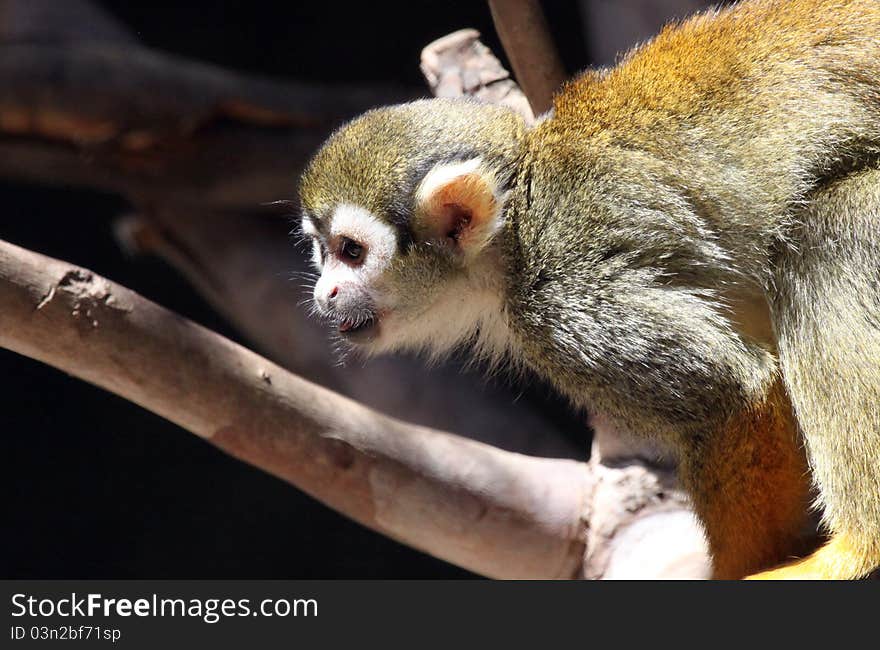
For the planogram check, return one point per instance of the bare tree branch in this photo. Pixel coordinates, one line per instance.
(459, 64)
(49, 20)
(494, 512)
(523, 30)
(127, 119)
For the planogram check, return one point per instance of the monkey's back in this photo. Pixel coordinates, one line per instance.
(747, 110)
(766, 54)
(678, 176)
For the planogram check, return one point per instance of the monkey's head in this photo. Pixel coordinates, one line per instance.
(402, 206)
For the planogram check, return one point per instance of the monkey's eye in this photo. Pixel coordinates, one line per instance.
(350, 251)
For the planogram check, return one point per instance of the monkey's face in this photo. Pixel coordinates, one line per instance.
(352, 250)
(424, 284)
(401, 205)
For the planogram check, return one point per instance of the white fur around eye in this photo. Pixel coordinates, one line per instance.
(358, 224)
(308, 228)
(317, 258)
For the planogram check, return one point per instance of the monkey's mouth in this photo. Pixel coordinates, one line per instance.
(359, 327)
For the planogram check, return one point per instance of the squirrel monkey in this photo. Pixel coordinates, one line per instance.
(688, 245)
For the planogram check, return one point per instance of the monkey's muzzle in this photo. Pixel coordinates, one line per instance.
(358, 328)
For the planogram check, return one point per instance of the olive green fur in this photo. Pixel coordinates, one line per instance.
(737, 155)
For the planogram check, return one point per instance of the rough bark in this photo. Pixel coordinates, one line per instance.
(460, 65)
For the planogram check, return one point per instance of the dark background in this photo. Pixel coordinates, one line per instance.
(96, 487)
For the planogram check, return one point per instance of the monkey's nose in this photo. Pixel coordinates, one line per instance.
(325, 299)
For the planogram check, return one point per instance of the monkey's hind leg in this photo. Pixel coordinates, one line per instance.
(827, 315)
(750, 488)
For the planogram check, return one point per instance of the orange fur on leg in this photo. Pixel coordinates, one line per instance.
(750, 486)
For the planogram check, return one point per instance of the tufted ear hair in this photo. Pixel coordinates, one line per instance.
(459, 204)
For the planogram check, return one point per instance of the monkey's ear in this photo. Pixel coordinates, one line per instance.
(459, 204)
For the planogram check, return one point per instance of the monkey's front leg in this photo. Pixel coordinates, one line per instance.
(749, 483)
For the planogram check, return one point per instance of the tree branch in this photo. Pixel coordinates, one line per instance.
(160, 127)
(494, 512)
(523, 30)
(458, 64)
